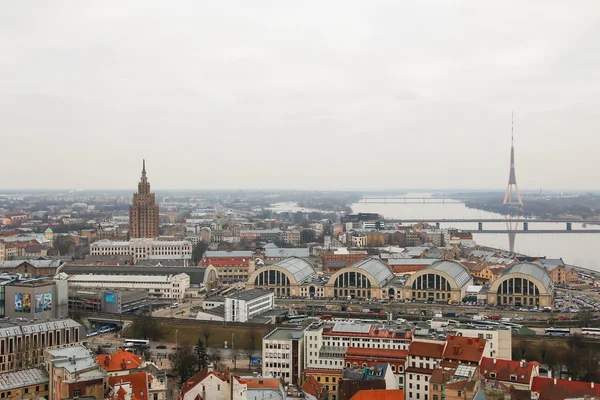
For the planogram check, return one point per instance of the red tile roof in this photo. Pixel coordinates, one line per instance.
(426, 349)
(323, 371)
(559, 389)
(138, 382)
(120, 361)
(262, 383)
(462, 348)
(505, 368)
(377, 353)
(314, 388)
(379, 394)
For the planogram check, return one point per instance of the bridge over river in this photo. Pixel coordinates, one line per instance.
(509, 221)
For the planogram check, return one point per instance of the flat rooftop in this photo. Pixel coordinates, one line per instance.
(250, 294)
(284, 334)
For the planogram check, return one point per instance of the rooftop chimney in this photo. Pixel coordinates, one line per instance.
(494, 360)
(555, 381)
(592, 383)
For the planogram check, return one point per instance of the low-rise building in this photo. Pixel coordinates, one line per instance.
(166, 287)
(74, 372)
(106, 300)
(243, 306)
(24, 384)
(377, 377)
(559, 389)
(423, 358)
(519, 374)
(31, 268)
(454, 382)
(291, 237)
(282, 352)
(37, 298)
(210, 384)
(498, 341)
(144, 249)
(360, 357)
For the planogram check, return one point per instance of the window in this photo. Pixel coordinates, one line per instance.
(459, 393)
(76, 393)
(513, 378)
(435, 387)
(492, 374)
(218, 388)
(488, 336)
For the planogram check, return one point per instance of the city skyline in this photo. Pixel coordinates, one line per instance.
(336, 96)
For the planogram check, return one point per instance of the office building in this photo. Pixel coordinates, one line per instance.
(282, 352)
(243, 306)
(39, 298)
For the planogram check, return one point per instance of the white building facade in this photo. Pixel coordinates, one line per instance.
(498, 341)
(144, 249)
(243, 306)
(282, 352)
(166, 287)
(325, 347)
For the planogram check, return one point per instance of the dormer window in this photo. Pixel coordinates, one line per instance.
(492, 374)
(513, 378)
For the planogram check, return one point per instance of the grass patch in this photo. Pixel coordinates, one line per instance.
(217, 334)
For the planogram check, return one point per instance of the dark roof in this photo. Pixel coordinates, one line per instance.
(249, 294)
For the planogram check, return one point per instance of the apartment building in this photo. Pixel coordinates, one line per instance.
(498, 341)
(423, 358)
(291, 237)
(22, 345)
(282, 352)
(326, 346)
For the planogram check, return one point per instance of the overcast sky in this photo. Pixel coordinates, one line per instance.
(299, 94)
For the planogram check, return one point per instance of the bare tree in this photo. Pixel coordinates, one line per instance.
(236, 354)
(206, 332)
(215, 355)
(183, 362)
(252, 334)
(249, 353)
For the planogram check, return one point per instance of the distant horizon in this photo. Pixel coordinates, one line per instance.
(276, 190)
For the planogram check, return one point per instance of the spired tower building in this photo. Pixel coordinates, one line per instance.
(143, 214)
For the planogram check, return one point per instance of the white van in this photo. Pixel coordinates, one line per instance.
(505, 319)
(174, 305)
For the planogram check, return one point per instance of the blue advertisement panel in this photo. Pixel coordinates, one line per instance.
(110, 298)
(39, 302)
(47, 301)
(256, 361)
(18, 302)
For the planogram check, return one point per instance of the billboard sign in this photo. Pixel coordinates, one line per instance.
(26, 302)
(110, 298)
(18, 302)
(47, 301)
(256, 361)
(39, 302)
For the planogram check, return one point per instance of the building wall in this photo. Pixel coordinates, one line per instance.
(26, 392)
(214, 388)
(498, 342)
(35, 296)
(241, 310)
(27, 350)
(173, 288)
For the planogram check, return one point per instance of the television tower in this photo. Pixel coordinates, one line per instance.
(512, 178)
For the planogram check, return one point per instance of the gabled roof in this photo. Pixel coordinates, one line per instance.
(379, 394)
(120, 361)
(426, 349)
(137, 384)
(503, 369)
(559, 389)
(314, 388)
(262, 383)
(464, 348)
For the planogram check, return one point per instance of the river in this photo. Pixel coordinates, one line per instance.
(575, 249)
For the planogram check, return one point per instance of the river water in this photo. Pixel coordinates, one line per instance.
(580, 249)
